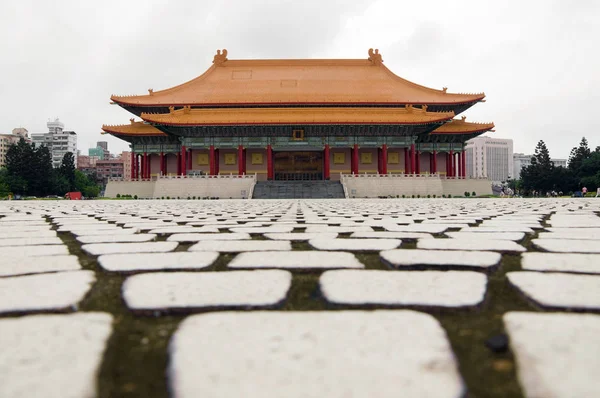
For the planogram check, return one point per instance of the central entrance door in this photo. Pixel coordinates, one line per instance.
(307, 165)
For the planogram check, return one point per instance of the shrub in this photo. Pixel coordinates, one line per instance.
(188, 198)
(443, 195)
(193, 197)
(168, 197)
(403, 196)
(418, 196)
(135, 196)
(162, 197)
(473, 193)
(118, 195)
(178, 197)
(428, 196)
(413, 196)
(434, 195)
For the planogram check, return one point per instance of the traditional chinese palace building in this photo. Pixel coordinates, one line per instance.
(300, 119)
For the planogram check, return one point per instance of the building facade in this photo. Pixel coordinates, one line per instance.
(6, 140)
(110, 168)
(490, 158)
(521, 160)
(58, 141)
(301, 119)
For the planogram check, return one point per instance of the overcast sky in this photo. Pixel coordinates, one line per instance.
(537, 61)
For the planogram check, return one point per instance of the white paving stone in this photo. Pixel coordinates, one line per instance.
(567, 245)
(52, 356)
(56, 291)
(507, 228)
(234, 246)
(97, 249)
(103, 232)
(424, 228)
(31, 251)
(557, 355)
(573, 233)
(156, 261)
(190, 290)
(401, 258)
(391, 235)
(30, 241)
(419, 288)
(12, 234)
(108, 238)
(470, 244)
(514, 236)
(336, 229)
(357, 244)
(295, 260)
(380, 354)
(301, 236)
(207, 236)
(37, 265)
(559, 290)
(561, 262)
(179, 229)
(263, 230)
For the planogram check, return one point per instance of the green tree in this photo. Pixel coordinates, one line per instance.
(4, 187)
(67, 169)
(19, 159)
(538, 176)
(578, 155)
(60, 185)
(40, 182)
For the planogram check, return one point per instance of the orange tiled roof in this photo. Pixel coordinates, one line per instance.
(133, 129)
(297, 81)
(290, 116)
(460, 126)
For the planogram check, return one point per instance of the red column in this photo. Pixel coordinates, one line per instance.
(406, 163)
(378, 160)
(413, 159)
(178, 161)
(149, 167)
(244, 160)
(434, 162)
(418, 163)
(384, 159)
(269, 162)
(217, 161)
(463, 156)
(211, 160)
(162, 163)
(240, 158)
(132, 166)
(326, 172)
(189, 160)
(145, 166)
(460, 165)
(183, 161)
(355, 157)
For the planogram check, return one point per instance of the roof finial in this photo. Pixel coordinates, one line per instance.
(444, 90)
(150, 91)
(171, 109)
(186, 109)
(220, 57)
(463, 118)
(375, 57)
(132, 120)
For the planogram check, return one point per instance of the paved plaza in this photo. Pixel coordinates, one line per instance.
(300, 298)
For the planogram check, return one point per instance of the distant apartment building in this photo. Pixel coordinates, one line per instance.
(520, 161)
(6, 140)
(126, 159)
(490, 158)
(58, 141)
(111, 168)
(101, 151)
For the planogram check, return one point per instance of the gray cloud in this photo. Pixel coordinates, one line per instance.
(537, 61)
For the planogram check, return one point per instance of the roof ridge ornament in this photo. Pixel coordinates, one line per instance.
(444, 89)
(220, 57)
(463, 118)
(186, 110)
(375, 57)
(171, 109)
(150, 91)
(132, 120)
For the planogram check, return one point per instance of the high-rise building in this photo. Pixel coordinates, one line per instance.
(58, 141)
(520, 161)
(490, 158)
(6, 140)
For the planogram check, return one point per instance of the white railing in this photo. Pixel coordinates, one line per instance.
(186, 177)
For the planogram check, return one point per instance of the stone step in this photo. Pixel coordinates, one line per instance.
(298, 190)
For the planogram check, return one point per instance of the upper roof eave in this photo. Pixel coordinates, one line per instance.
(296, 82)
(296, 116)
(133, 129)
